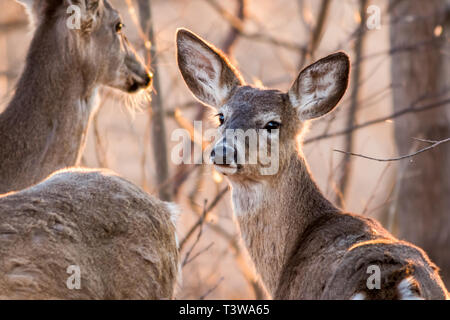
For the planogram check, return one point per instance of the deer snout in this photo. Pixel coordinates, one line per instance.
(143, 81)
(148, 78)
(224, 155)
(139, 76)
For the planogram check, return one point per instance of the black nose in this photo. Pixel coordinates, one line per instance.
(223, 155)
(148, 79)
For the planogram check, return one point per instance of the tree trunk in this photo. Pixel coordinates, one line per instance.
(158, 126)
(420, 74)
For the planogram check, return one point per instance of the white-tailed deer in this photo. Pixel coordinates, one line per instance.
(86, 234)
(44, 126)
(302, 245)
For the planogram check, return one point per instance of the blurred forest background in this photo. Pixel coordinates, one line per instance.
(397, 104)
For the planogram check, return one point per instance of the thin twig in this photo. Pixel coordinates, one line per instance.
(372, 196)
(199, 235)
(199, 223)
(207, 293)
(256, 36)
(316, 34)
(398, 158)
(230, 40)
(185, 262)
(402, 112)
(13, 25)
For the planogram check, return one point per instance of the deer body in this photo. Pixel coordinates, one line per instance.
(302, 246)
(44, 127)
(122, 240)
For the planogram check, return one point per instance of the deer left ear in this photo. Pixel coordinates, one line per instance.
(320, 86)
(206, 71)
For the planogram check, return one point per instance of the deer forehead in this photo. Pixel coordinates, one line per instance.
(250, 106)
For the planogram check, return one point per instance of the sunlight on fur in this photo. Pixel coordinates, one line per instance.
(133, 103)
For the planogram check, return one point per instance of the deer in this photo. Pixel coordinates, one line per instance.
(302, 246)
(87, 234)
(70, 57)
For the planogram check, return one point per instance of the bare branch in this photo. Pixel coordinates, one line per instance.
(377, 184)
(233, 34)
(159, 143)
(13, 25)
(316, 34)
(402, 112)
(256, 36)
(398, 158)
(199, 235)
(207, 293)
(207, 210)
(186, 261)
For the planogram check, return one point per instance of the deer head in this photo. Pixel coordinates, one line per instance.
(91, 33)
(276, 117)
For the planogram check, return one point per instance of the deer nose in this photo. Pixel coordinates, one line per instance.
(148, 79)
(223, 154)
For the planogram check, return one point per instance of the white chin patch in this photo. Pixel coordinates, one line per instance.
(228, 169)
(358, 296)
(405, 290)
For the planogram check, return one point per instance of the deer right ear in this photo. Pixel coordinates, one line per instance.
(206, 71)
(320, 86)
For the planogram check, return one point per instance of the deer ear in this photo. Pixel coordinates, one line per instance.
(320, 86)
(206, 71)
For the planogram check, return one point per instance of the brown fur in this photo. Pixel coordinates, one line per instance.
(122, 239)
(44, 126)
(302, 245)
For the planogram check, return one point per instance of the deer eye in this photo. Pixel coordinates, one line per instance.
(272, 125)
(119, 26)
(221, 118)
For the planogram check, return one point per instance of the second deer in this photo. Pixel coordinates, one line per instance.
(301, 244)
(44, 127)
(87, 234)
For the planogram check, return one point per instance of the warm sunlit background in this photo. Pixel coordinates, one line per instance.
(269, 50)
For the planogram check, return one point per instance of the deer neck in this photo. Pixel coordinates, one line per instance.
(273, 213)
(45, 123)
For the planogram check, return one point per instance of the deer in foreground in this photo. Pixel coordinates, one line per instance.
(121, 240)
(44, 126)
(303, 247)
